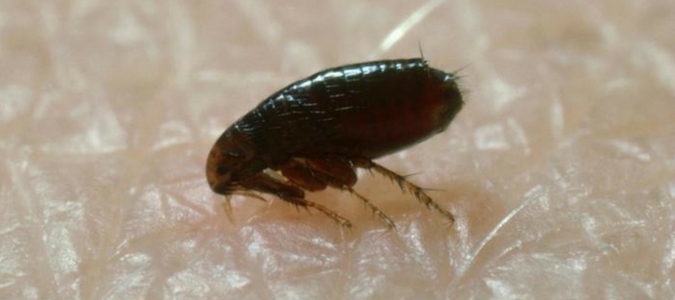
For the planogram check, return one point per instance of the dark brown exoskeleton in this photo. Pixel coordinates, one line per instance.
(316, 131)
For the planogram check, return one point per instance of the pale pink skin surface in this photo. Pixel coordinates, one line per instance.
(560, 169)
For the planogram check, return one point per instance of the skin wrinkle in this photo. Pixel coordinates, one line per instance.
(469, 264)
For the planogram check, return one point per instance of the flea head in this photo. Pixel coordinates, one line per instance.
(231, 160)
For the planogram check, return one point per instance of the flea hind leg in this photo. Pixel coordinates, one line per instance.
(404, 184)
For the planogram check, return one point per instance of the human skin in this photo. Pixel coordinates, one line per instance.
(559, 169)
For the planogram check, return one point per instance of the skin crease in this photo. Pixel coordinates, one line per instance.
(558, 169)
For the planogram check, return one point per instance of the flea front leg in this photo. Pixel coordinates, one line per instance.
(266, 184)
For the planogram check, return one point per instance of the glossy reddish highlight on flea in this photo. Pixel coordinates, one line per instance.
(317, 131)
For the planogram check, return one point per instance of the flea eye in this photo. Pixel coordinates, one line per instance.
(235, 154)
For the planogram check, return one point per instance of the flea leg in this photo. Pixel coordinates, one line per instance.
(249, 194)
(381, 215)
(302, 176)
(333, 215)
(407, 185)
(227, 204)
(340, 174)
(289, 193)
